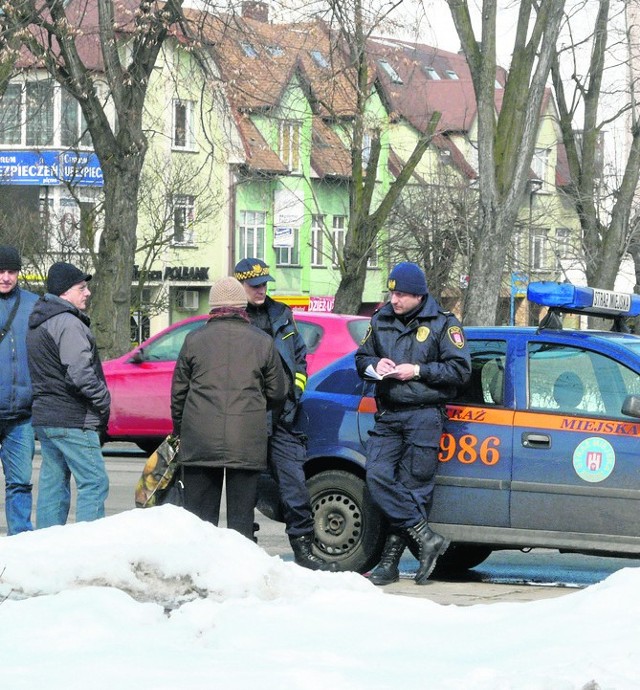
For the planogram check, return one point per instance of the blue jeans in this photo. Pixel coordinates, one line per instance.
(16, 452)
(66, 452)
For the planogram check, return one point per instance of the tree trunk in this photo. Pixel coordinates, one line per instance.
(111, 287)
(487, 267)
(349, 293)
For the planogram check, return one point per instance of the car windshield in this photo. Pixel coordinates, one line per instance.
(167, 348)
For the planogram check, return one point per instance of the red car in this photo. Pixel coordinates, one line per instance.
(140, 381)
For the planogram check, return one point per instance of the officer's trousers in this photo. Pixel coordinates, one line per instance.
(402, 459)
(287, 454)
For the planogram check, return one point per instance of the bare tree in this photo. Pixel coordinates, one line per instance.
(590, 101)
(433, 223)
(505, 146)
(353, 25)
(82, 43)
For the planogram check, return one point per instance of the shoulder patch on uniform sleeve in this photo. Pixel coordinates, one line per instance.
(366, 335)
(456, 336)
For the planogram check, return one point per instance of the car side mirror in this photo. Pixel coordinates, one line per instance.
(138, 356)
(631, 406)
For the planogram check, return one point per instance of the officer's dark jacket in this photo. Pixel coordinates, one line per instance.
(433, 339)
(293, 351)
(69, 388)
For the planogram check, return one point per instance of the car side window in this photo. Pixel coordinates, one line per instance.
(311, 334)
(572, 380)
(358, 329)
(486, 385)
(167, 348)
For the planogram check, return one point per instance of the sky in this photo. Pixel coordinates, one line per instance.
(158, 598)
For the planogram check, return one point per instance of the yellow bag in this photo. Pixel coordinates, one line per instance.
(159, 473)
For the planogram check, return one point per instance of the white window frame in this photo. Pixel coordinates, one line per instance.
(289, 144)
(183, 216)
(319, 58)
(338, 236)
(78, 130)
(372, 259)
(317, 239)
(538, 248)
(33, 124)
(182, 137)
(390, 71)
(289, 256)
(63, 215)
(540, 165)
(251, 234)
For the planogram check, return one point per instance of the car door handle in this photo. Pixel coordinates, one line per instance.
(536, 440)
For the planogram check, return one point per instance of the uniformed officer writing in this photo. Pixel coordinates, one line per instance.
(421, 354)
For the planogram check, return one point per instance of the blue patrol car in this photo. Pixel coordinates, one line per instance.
(541, 449)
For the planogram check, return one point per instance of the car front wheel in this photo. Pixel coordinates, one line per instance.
(349, 527)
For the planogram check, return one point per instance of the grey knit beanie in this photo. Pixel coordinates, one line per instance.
(227, 292)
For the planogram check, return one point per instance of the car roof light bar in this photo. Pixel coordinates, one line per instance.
(583, 300)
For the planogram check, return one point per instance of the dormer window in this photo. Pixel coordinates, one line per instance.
(275, 51)
(289, 136)
(249, 50)
(319, 59)
(431, 73)
(451, 74)
(393, 75)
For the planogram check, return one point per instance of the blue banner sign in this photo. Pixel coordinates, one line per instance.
(50, 168)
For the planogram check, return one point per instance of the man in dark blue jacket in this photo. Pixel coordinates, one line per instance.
(287, 451)
(70, 399)
(16, 433)
(418, 355)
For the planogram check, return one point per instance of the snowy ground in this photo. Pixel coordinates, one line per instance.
(157, 598)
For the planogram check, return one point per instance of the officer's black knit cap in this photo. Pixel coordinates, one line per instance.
(408, 277)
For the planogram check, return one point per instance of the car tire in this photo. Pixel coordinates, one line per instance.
(458, 558)
(349, 527)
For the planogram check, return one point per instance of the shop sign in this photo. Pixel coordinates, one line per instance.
(50, 168)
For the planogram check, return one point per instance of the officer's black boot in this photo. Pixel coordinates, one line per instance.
(304, 556)
(431, 546)
(387, 571)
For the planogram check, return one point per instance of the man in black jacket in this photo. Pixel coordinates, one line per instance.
(287, 451)
(70, 399)
(418, 354)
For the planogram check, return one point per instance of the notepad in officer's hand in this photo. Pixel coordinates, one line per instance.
(371, 373)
